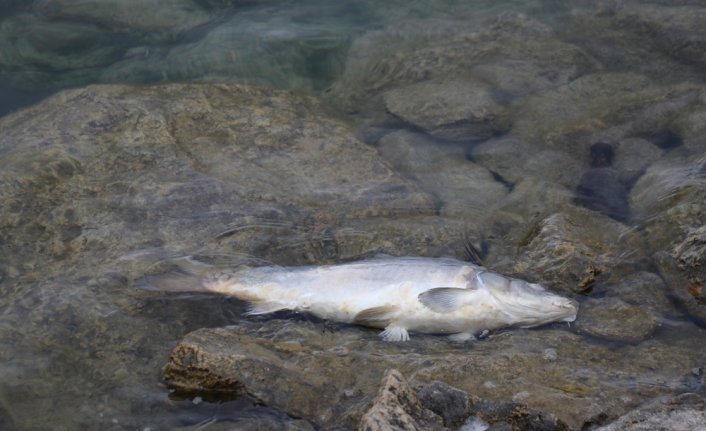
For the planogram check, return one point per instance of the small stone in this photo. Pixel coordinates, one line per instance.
(520, 396)
(550, 354)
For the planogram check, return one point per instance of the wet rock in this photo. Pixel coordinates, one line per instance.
(512, 220)
(273, 359)
(510, 51)
(515, 160)
(645, 290)
(691, 256)
(669, 201)
(570, 250)
(450, 109)
(602, 190)
(688, 294)
(504, 415)
(397, 408)
(463, 188)
(601, 187)
(632, 157)
(153, 20)
(682, 412)
(614, 319)
(451, 404)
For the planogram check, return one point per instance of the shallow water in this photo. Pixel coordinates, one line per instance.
(588, 139)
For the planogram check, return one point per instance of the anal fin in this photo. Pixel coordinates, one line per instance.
(264, 307)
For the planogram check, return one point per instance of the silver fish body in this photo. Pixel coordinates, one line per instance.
(427, 295)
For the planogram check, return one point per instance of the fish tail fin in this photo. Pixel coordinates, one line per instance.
(188, 276)
(176, 281)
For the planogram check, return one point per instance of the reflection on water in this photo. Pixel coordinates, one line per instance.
(566, 137)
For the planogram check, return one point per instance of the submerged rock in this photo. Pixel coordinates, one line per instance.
(601, 187)
(104, 184)
(153, 20)
(252, 46)
(681, 412)
(454, 110)
(601, 107)
(511, 52)
(397, 408)
(463, 188)
(614, 319)
(515, 160)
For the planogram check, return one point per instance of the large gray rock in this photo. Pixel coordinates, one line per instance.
(103, 184)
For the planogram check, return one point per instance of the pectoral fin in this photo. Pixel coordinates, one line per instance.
(444, 299)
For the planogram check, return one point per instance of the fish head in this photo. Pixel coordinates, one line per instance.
(527, 304)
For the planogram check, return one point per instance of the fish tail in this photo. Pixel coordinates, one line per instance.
(174, 282)
(189, 276)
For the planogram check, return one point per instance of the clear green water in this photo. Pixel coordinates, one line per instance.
(86, 353)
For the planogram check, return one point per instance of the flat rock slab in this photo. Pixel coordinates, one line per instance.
(126, 168)
(551, 371)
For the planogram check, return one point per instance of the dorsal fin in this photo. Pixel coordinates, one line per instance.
(444, 299)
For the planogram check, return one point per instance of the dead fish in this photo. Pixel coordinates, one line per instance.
(398, 294)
